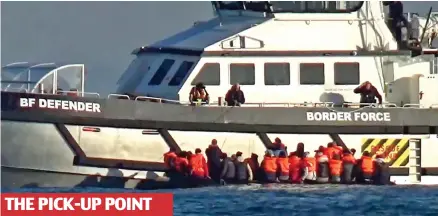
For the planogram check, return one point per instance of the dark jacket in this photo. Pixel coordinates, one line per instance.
(235, 97)
(382, 175)
(213, 153)
(242, 170)
(228, 169)
(368, 95)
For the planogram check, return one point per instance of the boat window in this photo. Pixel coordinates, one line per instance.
(315, 6)
(312, 74)
(161, 72)
(277, 74)
(244, 74)
(347, 73)
(210, 74)
(181, 73)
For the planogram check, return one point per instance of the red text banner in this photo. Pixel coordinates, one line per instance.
(86, 204)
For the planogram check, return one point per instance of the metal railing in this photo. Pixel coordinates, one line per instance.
(261, 104)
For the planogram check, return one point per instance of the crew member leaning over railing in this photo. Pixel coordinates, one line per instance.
(199, 95)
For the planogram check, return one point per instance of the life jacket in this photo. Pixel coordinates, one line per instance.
(198, 94)
(330, 151)
(197, 164)
(335, 167)
(339, 150)
(168, 157)
(295, 169)
(322, 169)
(269, 165)
(310, 163)
(181, 164)
(349, 158)
(283, 166)
(367, 165)
(241, 171)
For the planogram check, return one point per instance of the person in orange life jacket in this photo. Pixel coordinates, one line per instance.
(213, 153)
(199, 94)
(182, 163)
(382, 175)
(335, 165)
(339, 150)
(294, 168)
(331, 150)
(283, 167)
(278, 147)
(169, 159)
(253, 162)
(321, 149)
(309, 168)
(243, 170)
(198, 165)
(368, 93)
(322, 169)
(228, 174)
(365, 167)
(348, 168)
(235, 96)
(269, 167)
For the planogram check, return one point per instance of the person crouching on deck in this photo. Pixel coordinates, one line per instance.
(198, 165)
(199, 95)
(235, 96)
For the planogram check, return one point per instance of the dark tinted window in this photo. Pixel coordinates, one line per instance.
(161, 72)
(277, 74)
(244, 74)
(210, 74)
(312, 74)
(316, 6)
(181, 73)
(347, 73)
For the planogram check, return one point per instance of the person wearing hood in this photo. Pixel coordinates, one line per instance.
(213, 153)
(283, 167)
(243, 170)
(309, 168)
(253, 162)
(322, 168)
(235, 96)
(294, 168)
(228, 173)
(348, 168)
(335, 165)
(269, 166)
(382, 175)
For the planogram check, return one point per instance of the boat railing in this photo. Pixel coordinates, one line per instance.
(370, 105)
(434, 106)
(118, 96)
(94, 94)
(413, 105)
(160, 100)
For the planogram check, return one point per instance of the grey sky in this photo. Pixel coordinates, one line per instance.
(99, 34)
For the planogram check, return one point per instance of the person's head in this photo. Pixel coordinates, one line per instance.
(254, 156)
(346, 152)
(321, 148)
(269, 153)
(366, 153)
(198, 151)
(353, 151)
(182, 154)
(239, 154)
(235, 87)
(214, 142)
(224, 155)
(277, 140)
(319, 153)
(329, 145)
(200, 86)
(367, 85)
(233, 157)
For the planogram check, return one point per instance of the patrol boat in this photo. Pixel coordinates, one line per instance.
(283, 54)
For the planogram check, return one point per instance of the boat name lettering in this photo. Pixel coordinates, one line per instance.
(59, 104)
(349, 116)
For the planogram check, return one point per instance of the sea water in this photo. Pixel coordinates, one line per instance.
(287, 200)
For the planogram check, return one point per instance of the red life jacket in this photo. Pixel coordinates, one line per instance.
(295, 169)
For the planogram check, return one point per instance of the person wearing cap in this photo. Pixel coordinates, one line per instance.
(213, 153)
(199, 95)
(381, 175)
(309, 168)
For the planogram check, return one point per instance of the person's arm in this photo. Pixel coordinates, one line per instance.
(249, 171)
(243, 97)
(305, 173)
(206, 172)
(358, 89)
(379, 97)
(224, 169)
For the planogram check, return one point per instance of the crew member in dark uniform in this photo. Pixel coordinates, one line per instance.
(368, 94)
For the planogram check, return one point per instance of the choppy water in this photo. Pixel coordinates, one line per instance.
(312, 200)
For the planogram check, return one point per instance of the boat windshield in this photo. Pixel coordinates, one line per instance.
(291, 6)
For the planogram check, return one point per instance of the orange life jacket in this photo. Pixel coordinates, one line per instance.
(310, 163)
(198, 94)
(283, 166)
(335, 167)
(269, 164)
(339, 150)
(367, 164)
(295, 169)
(349, 158)
(167, 157)
(197, 164)
(181, 164)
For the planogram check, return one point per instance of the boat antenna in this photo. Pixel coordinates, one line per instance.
(425, 26)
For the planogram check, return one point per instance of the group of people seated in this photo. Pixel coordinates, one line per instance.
(330, 164)
(199, 95)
